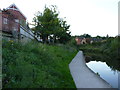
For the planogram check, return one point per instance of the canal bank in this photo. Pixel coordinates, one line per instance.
(83, 76)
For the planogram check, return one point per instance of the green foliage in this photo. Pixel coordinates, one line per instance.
(104, 51)
(72, 42)
(85, 35)
(48, 23)
(36, 65)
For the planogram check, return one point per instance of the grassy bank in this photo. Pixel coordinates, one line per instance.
(36, 65)
(107, 51)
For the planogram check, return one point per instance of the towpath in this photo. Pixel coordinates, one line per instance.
(83, 76)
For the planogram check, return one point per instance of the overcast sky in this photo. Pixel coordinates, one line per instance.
(94, 17)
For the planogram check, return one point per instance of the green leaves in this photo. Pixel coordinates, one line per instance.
(48, 23)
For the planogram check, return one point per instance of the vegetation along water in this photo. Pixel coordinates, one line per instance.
(45, 65)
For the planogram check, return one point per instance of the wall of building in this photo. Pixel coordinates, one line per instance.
(15, 25)
(10, 23)
(9, 37)
(26, 33)
(17, 14)
(0, 20)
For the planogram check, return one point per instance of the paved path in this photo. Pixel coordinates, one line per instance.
(83, 76)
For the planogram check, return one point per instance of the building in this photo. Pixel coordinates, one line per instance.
(13, 22)
(82, 40)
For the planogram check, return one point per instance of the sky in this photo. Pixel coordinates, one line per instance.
(94, 17)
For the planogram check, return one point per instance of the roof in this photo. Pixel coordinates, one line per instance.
(14, 7)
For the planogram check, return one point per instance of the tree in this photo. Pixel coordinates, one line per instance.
(64, 33)
(98, 36)
(86, 35)
(48, 23)
(107, 36)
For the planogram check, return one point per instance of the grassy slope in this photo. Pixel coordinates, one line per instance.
(36, 65)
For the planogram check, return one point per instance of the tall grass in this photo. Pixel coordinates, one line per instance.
(36, 65)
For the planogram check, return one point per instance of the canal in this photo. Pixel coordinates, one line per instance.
(105, 72)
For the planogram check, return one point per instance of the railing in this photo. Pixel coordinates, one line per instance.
(26, 32)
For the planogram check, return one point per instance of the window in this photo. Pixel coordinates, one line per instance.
(5, 21)
(16, 20)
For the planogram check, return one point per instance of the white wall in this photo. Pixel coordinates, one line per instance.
(26, 33)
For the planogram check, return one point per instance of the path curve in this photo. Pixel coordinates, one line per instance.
(83, 76)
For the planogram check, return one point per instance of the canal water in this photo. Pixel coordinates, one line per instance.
(105, 72)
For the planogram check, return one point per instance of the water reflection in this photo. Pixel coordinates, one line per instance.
(113, 64)
(105, 72)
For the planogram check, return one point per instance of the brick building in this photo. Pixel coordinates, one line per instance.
(82, 40)
(13, 21)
